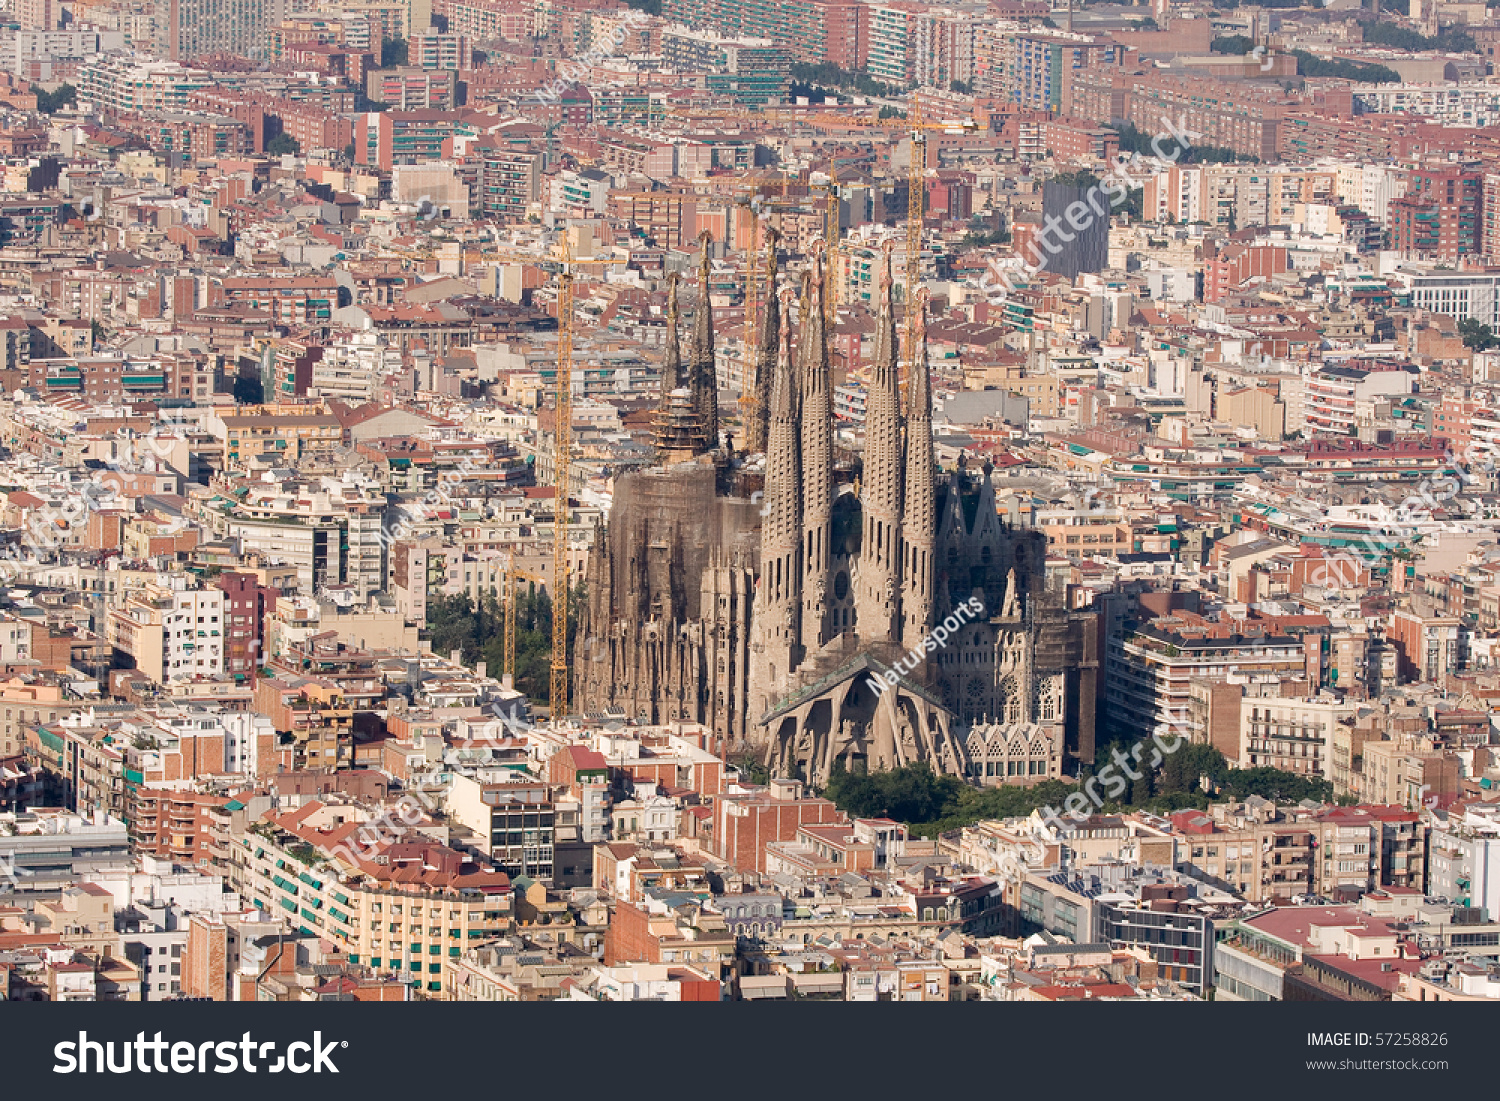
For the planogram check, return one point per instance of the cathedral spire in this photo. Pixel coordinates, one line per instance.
(776, 617)
(671, 369)
(782, 525)
(919, 514)
(679, 428)
(877, 586)
(817, 458)
(765, 361)
(701, 370)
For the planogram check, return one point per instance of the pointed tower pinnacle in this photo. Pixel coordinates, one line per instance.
(671, 368)
(877, 585)
(919, 519)
(782, 524)
(817, 458)
(704, 378)
(776, 616)
(765, 360)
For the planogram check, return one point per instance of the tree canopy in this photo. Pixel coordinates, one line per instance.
(931, 804)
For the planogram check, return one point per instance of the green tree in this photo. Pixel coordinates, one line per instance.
(283, 144)
(825, 74)
(49, 103)
(1477, 337)
(393, 53)
(1339, 68)
(1235, 45)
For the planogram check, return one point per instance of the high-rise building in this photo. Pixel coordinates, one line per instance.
(241, 27)
(1440, 217)
(809, 30)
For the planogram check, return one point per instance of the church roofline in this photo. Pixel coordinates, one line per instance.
(848, 670)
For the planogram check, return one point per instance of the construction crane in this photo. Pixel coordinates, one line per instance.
(833, 236)
(513, 576)
(916, 202)
(917, 127)
(562, 455)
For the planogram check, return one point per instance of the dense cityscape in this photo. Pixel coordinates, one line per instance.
(840, 500)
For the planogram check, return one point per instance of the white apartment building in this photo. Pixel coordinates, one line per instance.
(193, 635)
(1450, 104)
(1293, 734)
(1454, 294)
(1332, 394)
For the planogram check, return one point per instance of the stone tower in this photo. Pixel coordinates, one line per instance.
(919, 519)
(817, 461)
(766, 352)
(877, 580)
(702, 372)
(775, 635)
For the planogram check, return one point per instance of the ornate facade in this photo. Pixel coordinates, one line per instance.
(875, 624)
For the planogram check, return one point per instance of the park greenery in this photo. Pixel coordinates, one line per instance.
(49, 103)
(478, 630)
(930, 804)
(1477, 336)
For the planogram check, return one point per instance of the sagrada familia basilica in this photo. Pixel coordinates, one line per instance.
(800, 603)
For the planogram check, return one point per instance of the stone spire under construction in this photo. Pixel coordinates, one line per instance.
(877, 586)
(701, 371)
(765, 360)
(679, 429)
(919, 510)
(817, 460)
(777, 627)
(671, 368)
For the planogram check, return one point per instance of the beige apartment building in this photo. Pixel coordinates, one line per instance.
(407, 908)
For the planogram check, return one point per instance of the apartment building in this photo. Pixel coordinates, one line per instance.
(447, 51)
(1439, 217)
(514, 823)
(1292, 734)
(1149, 672)
(1148, 911)
(834, 31)
(410, 911)
(1332, 394)
(169, 633)
(422, 89)
(52, 848)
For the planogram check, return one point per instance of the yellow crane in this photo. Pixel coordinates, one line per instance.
(562, 451)
(514, 575)
(833, 235)
(745, 195)
(918, 128)
(916, 201)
